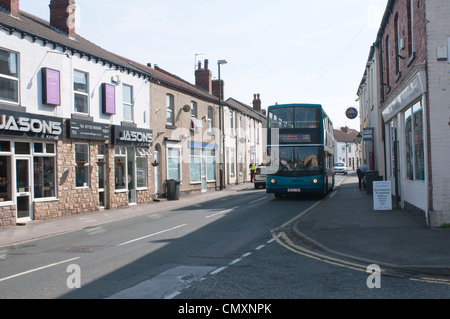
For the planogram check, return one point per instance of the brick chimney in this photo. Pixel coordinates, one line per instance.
(203, 77)
(256, 103)
(345, 129)
(12, 6)
(215, 88)
(62, 16)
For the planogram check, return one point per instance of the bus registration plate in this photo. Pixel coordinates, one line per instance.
(294, 190)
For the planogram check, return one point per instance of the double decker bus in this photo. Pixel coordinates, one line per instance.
(300, 150)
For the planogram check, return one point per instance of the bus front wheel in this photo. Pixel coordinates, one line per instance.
(277, 195)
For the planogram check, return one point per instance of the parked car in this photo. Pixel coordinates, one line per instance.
(340, 168)
(260, 177)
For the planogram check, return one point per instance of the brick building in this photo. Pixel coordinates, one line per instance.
(74, 120)
(411, 104)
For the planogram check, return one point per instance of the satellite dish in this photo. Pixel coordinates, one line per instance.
(186, 108)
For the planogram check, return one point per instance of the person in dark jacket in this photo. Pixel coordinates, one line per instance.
(361, 172)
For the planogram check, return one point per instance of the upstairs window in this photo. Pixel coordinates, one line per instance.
(128, 103)
(210, 118)
(194, 109)
(170, 110)
(9, 77)
(81, 92)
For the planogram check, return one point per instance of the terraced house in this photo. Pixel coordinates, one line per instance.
(75, 123)
(404, 102)
(83, 129)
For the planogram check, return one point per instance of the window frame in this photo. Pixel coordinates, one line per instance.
(120, 153)
(81, 93)
(210, 118)
(177, 146)
(46, 153)
(12, 78)
(129, 104)
(170, 120)
(86, 166)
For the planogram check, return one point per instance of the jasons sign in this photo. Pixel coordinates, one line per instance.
(30, 125)
(132, 136)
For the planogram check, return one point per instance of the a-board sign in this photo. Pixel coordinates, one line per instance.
(382, 195)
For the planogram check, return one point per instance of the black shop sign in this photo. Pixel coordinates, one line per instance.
(123, 135)
(88, 130)
(25, 125)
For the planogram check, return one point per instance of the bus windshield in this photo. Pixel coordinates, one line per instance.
(297, 161)
(290, 117)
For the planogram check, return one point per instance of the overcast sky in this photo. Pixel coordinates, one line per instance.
(285, 50)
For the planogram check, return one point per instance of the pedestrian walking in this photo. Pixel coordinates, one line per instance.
(361, 172)
(252, 171)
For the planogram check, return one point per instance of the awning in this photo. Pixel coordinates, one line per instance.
(202, 145)
(195, 123)
(144, 152)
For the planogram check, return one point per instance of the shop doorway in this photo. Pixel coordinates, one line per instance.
(23, 189)
(131, 160)
(101, 162)
(157, 170)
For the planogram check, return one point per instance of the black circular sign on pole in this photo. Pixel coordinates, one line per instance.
(351, 113)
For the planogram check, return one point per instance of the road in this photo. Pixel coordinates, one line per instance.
(237, 246)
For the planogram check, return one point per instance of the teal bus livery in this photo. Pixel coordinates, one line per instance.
(300, 150)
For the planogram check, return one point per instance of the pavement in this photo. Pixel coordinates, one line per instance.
(344, 224)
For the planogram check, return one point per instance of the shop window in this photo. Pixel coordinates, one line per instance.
(22, 148)
(195, 165)
(232, 163)
(5, 179)
(174, 163)
(5, 146)
(414, 147)
(81, 92)
(44, 168)
(128, 103)
(141, 169)
(9, 77)
(44, 177)
(210, 160)
(120, 177)
(81, 165)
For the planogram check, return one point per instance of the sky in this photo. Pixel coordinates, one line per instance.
(288, 51)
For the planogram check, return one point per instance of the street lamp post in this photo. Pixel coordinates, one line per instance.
(221, 125)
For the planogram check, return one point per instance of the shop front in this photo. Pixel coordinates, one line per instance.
(130, 173)
(90, 137)
(406, 145)
(28, 150)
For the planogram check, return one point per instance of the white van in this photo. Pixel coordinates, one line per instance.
(260, 177)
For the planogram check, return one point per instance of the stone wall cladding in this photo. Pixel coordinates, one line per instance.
(7, 215)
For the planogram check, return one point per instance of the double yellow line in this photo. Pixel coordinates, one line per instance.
(282, 239)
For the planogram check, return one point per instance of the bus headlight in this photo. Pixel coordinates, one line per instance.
(315, 180)
(273, 181)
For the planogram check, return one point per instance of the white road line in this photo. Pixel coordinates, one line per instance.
(235, 261)
(173, 295)
(217, 270)
(37, 269)
(151, 235)
(270, 241)
(260, 246)
(257, 200)
(223, 212)
(246, 255)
